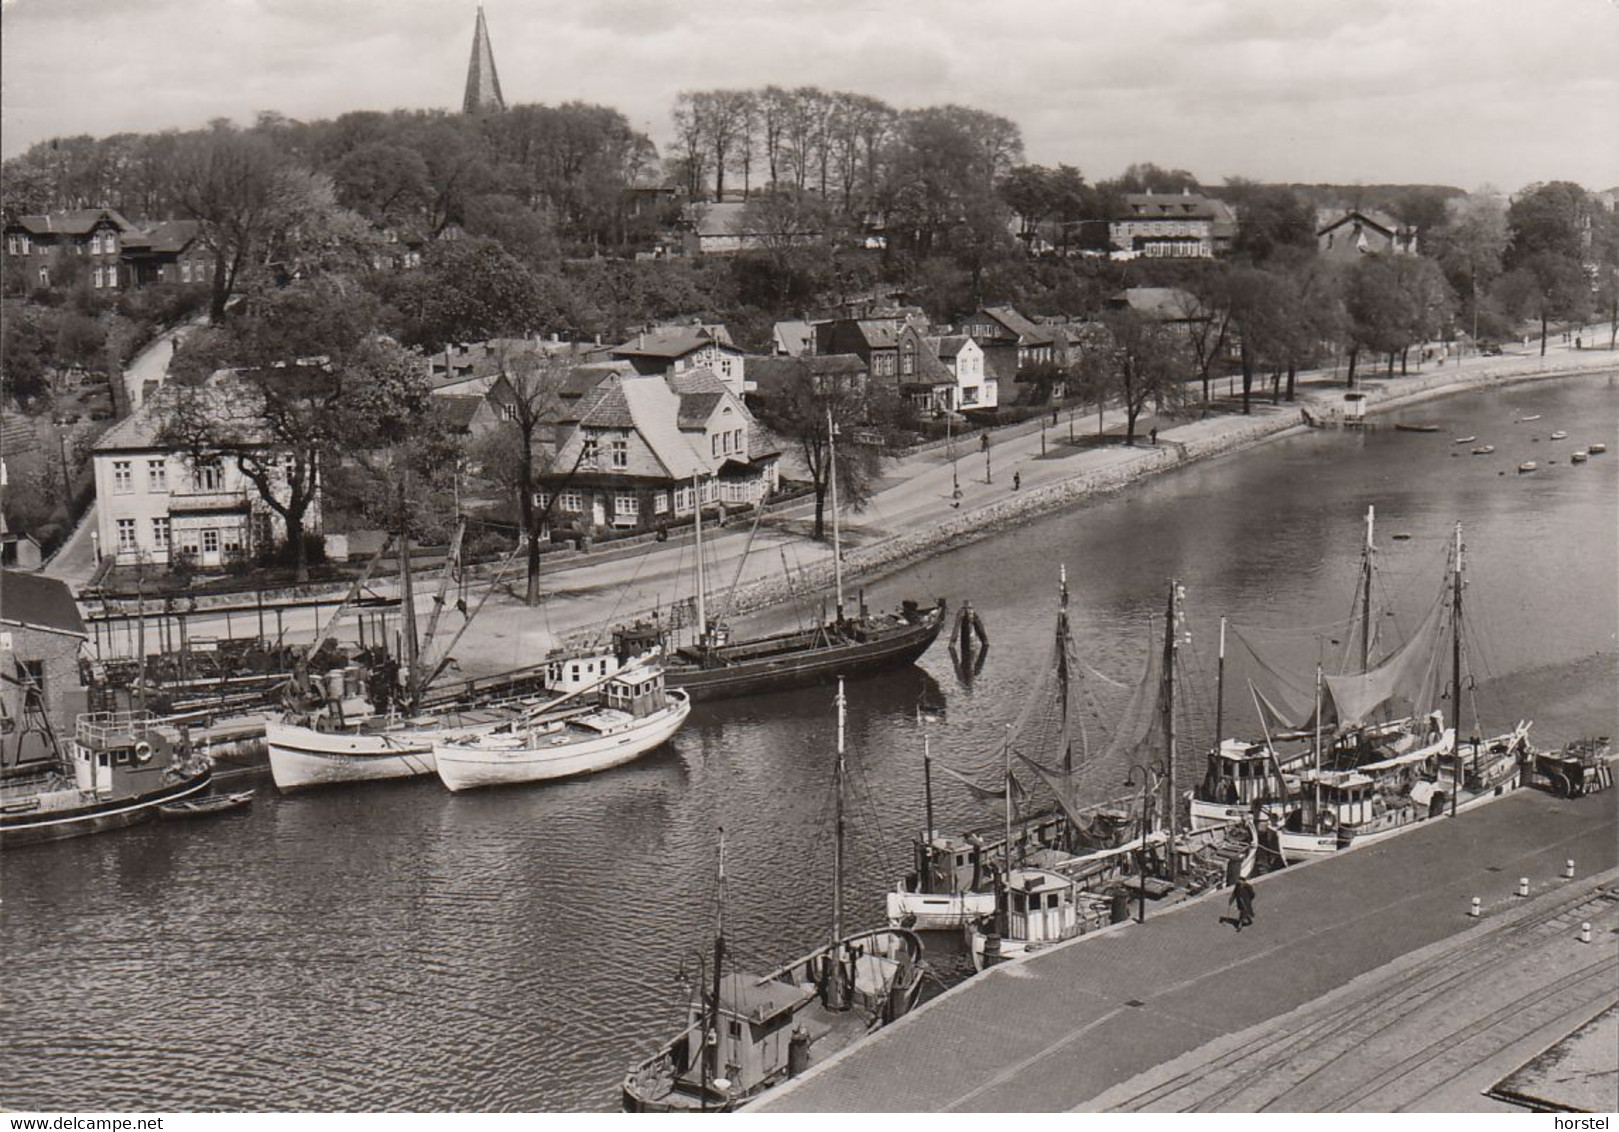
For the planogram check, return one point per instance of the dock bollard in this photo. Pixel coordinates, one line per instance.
(1568, 869)
(1523, 886)
(1585, 933)
(1473, 910)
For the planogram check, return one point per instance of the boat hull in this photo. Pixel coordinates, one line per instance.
(805, 667)
(467, 767)
(1213, 815)
(301, 757)
(934, 912)
(99, 817)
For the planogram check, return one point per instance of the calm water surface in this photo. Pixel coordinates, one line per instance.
(397, 947)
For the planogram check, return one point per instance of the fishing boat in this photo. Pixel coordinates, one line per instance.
(1596, 448)
(1578, 456)
(118, 769)
(1484, 450)
(1416, 428)
(634, 714)
(1559, 435)
(745, 1034)
(206, 805)
(1526, 420)
(1527, 466)
(1464, 440)
(714, 666)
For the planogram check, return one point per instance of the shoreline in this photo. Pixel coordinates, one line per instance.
(1231, 435)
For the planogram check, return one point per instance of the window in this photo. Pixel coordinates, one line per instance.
(233, 538)
(571, 501)
(157, 475)
(210, 542)
(185, 272)
(208, 476)
(589, 452)
(621, 452)
(625, 505)
(126, 535)
(725, 441)
(660, 503)
(907, 364)
(123, 477)
(160, 532)
(95, 277)
(44, 277)
(33, 685)
(682, 500)
(740, 447)
(714, 444)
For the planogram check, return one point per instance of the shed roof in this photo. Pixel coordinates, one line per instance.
(37, 602)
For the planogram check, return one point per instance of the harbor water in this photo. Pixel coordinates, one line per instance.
(393, 946)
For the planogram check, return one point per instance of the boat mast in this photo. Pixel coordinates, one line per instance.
(837, 546)
(1366, 597)
(1316, 782)
(702, 610)
(1456, 672)
(1171, 629)
(837, 844)
(1219, 692)
(712, 1057)
(1006, 750)
(407, 595)
(927, 792)
(1062, 668)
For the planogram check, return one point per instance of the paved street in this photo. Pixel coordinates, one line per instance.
(1057, 1031)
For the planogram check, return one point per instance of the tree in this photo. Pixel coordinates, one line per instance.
(1548, 218)
(225, 181)
(1147, 362)
(1545, 286)
(1376, 312)
(1470, 244)
(791, 229)
(533, 381)
(1204, 312)
(1259, 314)
(1270, 217)
(802, 413)
(469, 290)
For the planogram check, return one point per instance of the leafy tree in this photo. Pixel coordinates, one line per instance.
(1271, 217)
(1545, 286)
(383, 181)
(469, 290)
(1378, 319)
(1547, 218)
(1470, 244)
(533, 381)
(807, 412)
(1145, 177)
(1145, 361)
(225, 181)
(1203, 309)
(1259, 313)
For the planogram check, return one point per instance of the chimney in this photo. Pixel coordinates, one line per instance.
(1186, 190)
(640, 340)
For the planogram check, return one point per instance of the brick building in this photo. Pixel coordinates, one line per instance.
(40, 691)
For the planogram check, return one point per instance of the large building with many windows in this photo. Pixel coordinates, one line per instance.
(1184, 225)
(157, 505)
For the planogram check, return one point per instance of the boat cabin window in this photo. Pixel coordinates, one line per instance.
(120, 757)
(101, 759)
(734, 1027)
(573, 671)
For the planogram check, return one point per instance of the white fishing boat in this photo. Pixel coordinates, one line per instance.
(1597, 448)
(1484, 450)
(633, 715)
(1527, 466)
(1559, 435)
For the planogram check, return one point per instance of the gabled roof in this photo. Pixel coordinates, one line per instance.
(951, 344)
(1328, 219)
(666, 342)
(1027, 333)
(1175, 206)
(795, 335)
(1167, 304)
(77, 222)
(458, 410)
(167, 238)
(36, 602)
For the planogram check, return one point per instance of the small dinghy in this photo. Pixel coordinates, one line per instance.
(1484, 450)
(1559, 435)
(202, 807)
(1416, 428)
(1526, 420)
(1527, 466)
(1402, 537)
(1464, 440)
(1576, 457)
(1596, 449)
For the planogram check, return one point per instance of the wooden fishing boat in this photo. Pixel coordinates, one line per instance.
(1527, 466)
(1416, 428)
(1484, 450)
(746, 1034)
(206, 805)
(1559, 435)
(120, 767)
(634, 714)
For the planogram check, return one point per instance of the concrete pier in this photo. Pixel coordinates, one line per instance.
(1100, 1022)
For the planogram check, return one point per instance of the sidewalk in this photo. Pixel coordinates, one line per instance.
(1059, 1030)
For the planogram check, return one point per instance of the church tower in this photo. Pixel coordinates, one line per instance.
(483, 84)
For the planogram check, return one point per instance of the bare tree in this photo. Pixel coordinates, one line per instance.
(225, 181)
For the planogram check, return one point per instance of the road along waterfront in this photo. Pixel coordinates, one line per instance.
(399, 947)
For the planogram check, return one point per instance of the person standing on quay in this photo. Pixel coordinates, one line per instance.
(1242, 895)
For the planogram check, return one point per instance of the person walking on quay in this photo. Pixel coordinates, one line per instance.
(1017, 480)
(1155, 435)
(1242, 895)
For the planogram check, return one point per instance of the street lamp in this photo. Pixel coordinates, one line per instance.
(1151, 774)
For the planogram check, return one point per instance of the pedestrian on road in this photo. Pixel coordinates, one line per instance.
(1017, 480)
(1154, 435)
(1242, 895)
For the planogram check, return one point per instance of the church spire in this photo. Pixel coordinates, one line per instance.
(483, 84)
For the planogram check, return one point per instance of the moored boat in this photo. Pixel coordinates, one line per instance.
(205, 805)
(1596, 448)
(1464, 440)
(1484, 450)
(633, 715)
(1578, 456)
(1416, 428)
(120, 768)
(1527, 466)
(1559, 435)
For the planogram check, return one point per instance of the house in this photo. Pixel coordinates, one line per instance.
(943, 374)
(729, 227)
(170, 252)
(156, 504)
(874, 341)
(793, 338)
(1183, 225)
(40, 692)
(1347, 233)
(58, 249)
(1167, 305)
(1011, 342)
(644, 445)
(681, 349)
(776, 377)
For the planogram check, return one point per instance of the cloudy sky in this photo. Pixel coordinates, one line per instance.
(1461, 92)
